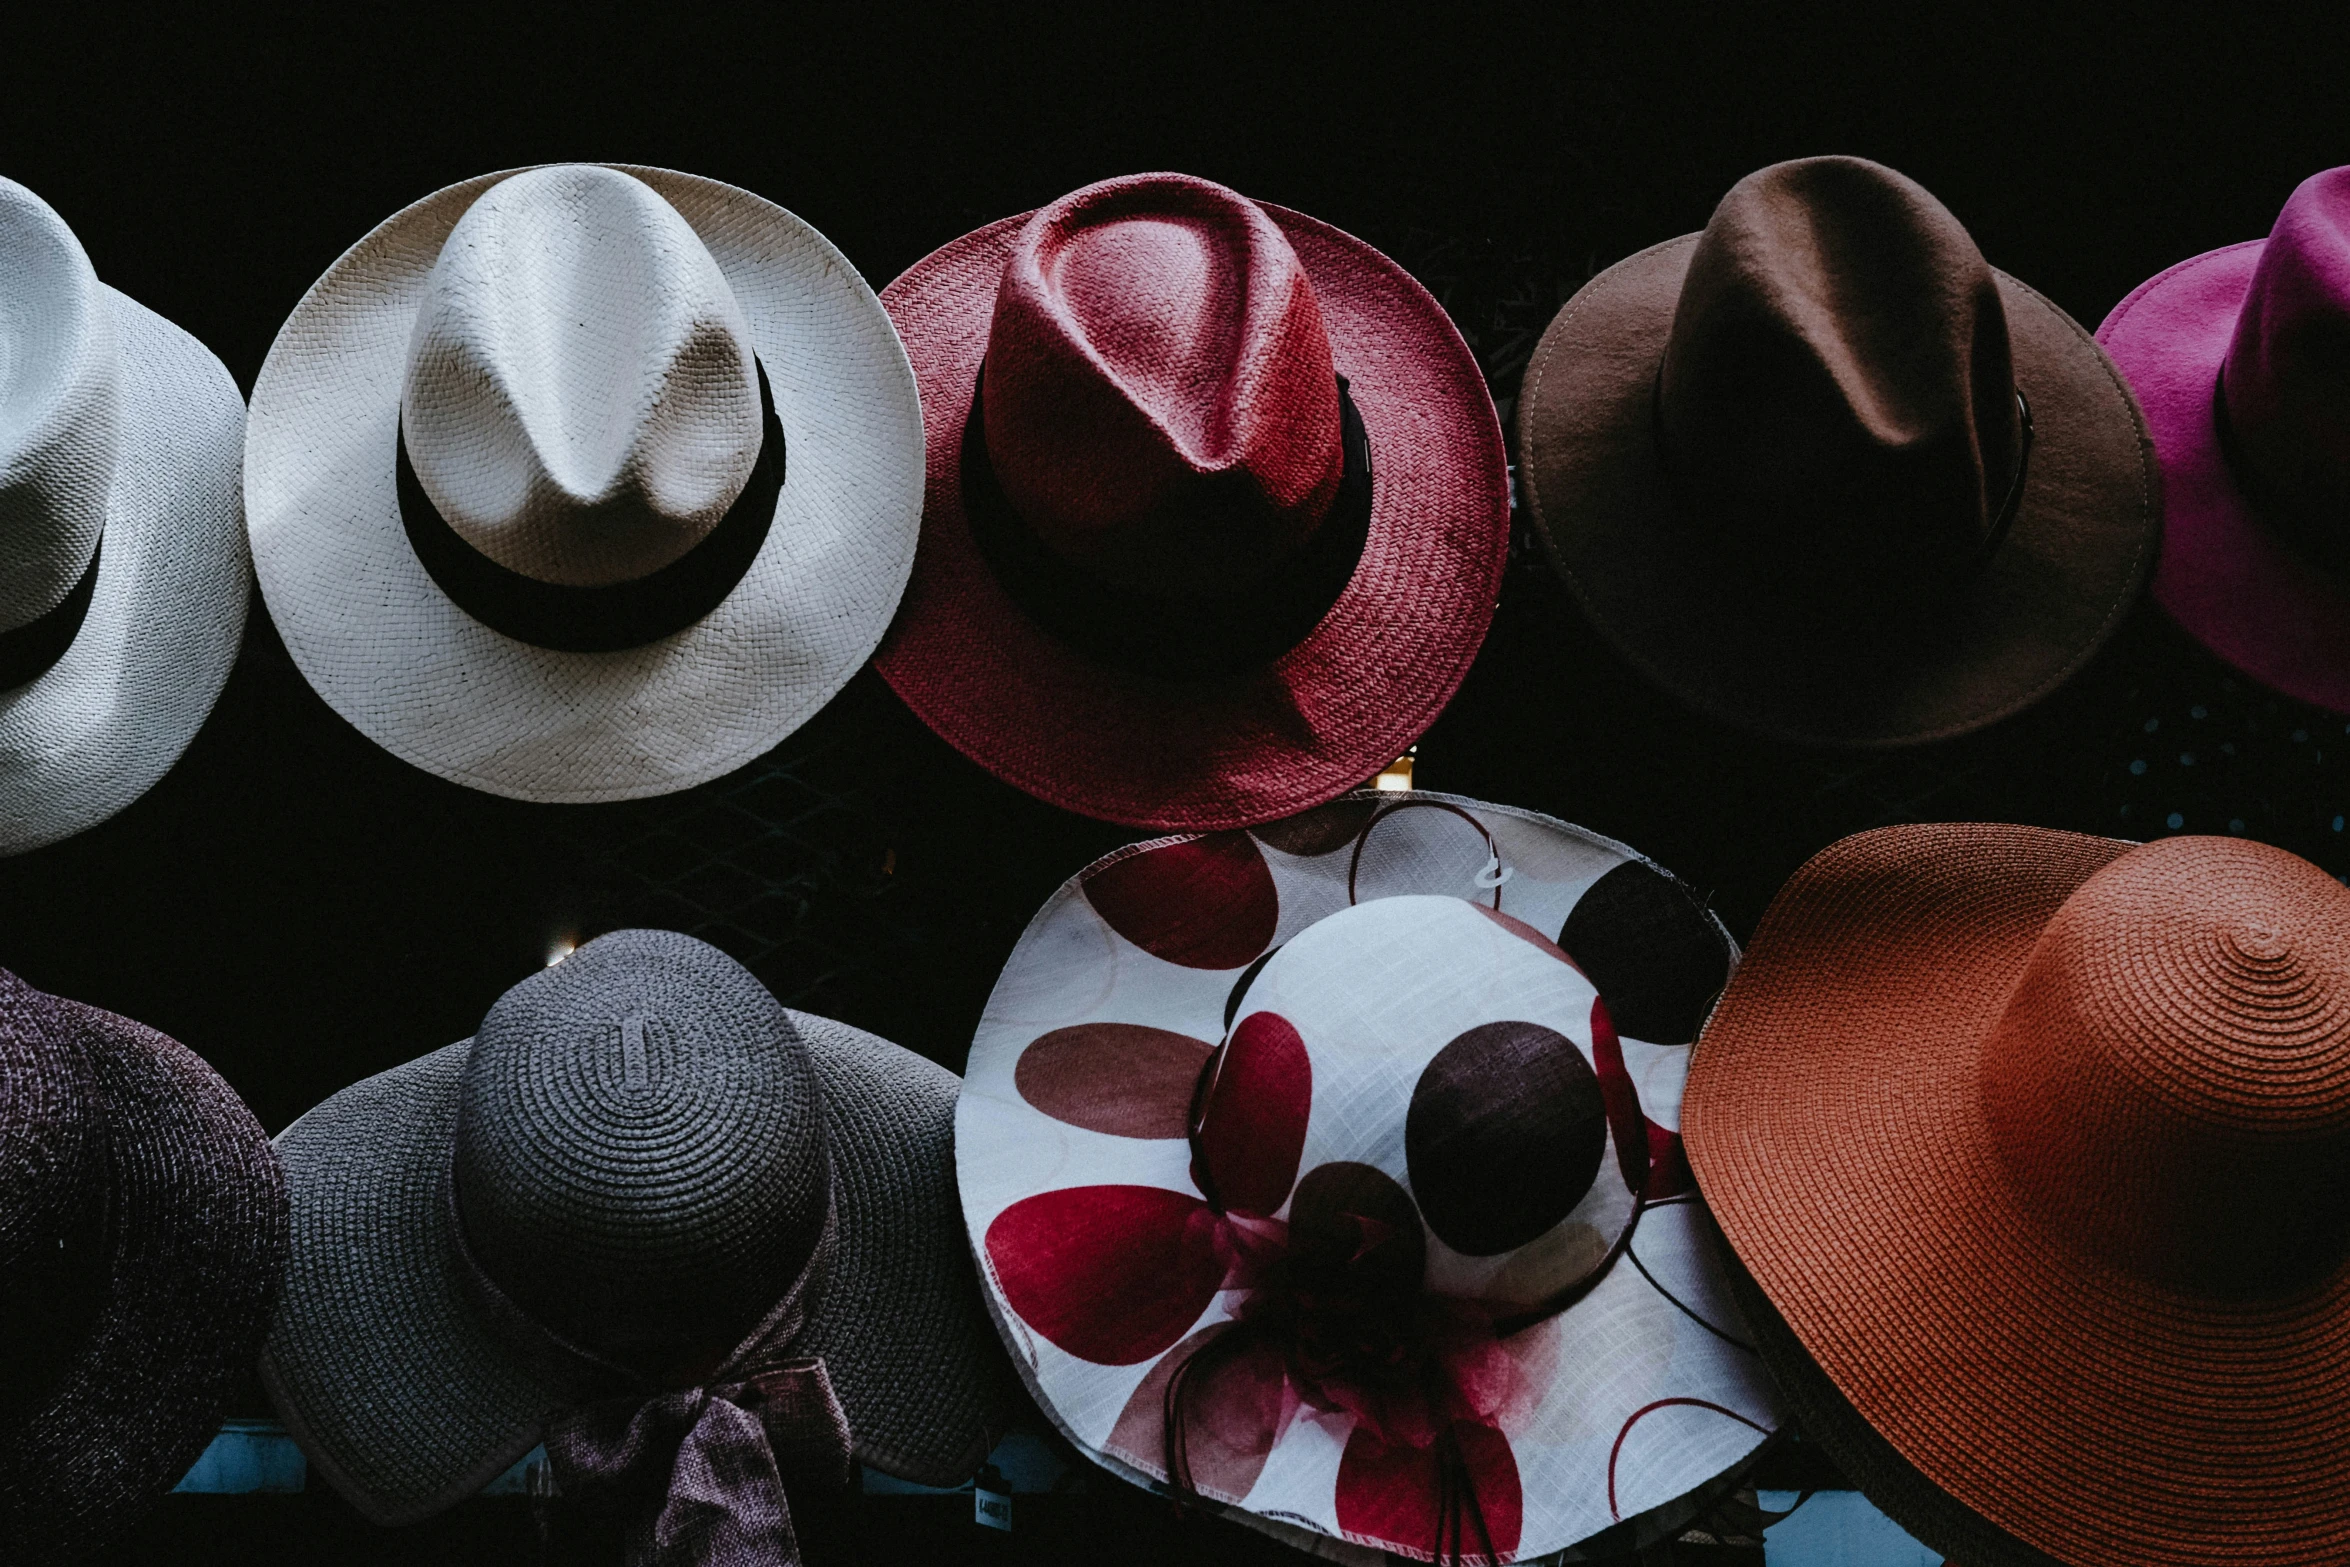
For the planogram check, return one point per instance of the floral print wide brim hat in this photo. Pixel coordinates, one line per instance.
(1328, 1173)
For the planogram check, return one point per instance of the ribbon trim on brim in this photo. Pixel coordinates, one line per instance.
(698, 1474)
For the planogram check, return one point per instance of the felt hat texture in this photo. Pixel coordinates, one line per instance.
(2249, 404)
(584, 482)
(123, 568)
(1216, 511)
(1823, 473)
(2033, 1143)
(638, 1145)
(143, 1239)
(1330, 1172)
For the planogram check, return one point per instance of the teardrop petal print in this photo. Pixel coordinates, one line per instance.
(1121, 1078)
(1394, 1492)
(1235, 1411)
(1625, 1123)
(1112, 1274)
(1652, 950)
(1668, 1164)
(1506, 1131)
(1253, 1129)
(1206, 902)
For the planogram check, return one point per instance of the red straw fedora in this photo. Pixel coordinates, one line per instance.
(1224, 529)
(2235, 356)
(2039, 1146)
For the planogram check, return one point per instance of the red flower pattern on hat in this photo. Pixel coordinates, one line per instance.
(1330, 1298)
(1337, 1238)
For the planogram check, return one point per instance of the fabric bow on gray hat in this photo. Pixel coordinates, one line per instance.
(704, 1248)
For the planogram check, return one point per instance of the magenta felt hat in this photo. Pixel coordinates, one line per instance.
(1222, 530)
(2236, 357)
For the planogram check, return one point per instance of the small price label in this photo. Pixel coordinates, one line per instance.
(992, 1509)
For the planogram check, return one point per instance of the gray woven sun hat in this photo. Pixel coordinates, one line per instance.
(142, 1239)
(598, 1203)
(123, 568)
(584, 482)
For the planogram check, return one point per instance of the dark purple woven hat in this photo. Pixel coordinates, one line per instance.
(142, 1241)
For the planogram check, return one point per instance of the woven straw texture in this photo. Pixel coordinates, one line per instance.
(2234, 583)
(1863, 1456)
(1082, 1077)
(1326, 715)
(1662, 592)
(2232, 572)
(2018, 1172)
(408, 1400)
(387, 650)
(194, 1248)
(94, 731)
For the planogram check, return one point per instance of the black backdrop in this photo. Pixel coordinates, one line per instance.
(303, 909)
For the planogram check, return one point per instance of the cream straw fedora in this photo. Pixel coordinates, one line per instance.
(123, 573)
(584, 482)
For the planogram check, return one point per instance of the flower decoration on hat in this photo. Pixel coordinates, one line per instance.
(1350, 1223)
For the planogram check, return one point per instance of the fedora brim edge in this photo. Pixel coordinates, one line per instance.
(1616, 457)
(90, 735)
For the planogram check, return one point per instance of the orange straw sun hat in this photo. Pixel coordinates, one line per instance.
(2039, 1146)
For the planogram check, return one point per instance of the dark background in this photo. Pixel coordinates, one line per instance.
(304, 910)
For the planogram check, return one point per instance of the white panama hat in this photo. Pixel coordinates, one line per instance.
(123, 573)
(584, 482)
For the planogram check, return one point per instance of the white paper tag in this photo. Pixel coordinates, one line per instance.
(992, 1509)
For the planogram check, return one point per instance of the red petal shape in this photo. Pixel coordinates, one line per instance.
(1207, 902)
(1232, 1417)
(1625, 1123)
(1112, 1274)
(1390, 1492)
(1668, 1166)
(1120, 1078)
(1254, 1129)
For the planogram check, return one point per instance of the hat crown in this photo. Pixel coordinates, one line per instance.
(1837, 396)
(2286, 378)
(1449, 1051)
(580, 403)
(2170, 1080)
(640, 1159)
(52, 1190)
(1160, 403)
(58, 407)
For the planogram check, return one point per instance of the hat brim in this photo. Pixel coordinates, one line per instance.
(386, 649)
(1322, 718)
(408, 1402)
(1637, 1400)
(98, 728)
(1834, 1123)
(197, 1231)
(1689, 617)
(2233, 582)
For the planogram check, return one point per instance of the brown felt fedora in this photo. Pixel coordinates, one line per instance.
(1822, 472)
(2036, 1150)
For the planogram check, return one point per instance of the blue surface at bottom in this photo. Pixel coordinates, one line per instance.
(1839, 1529)
(247, 1456)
